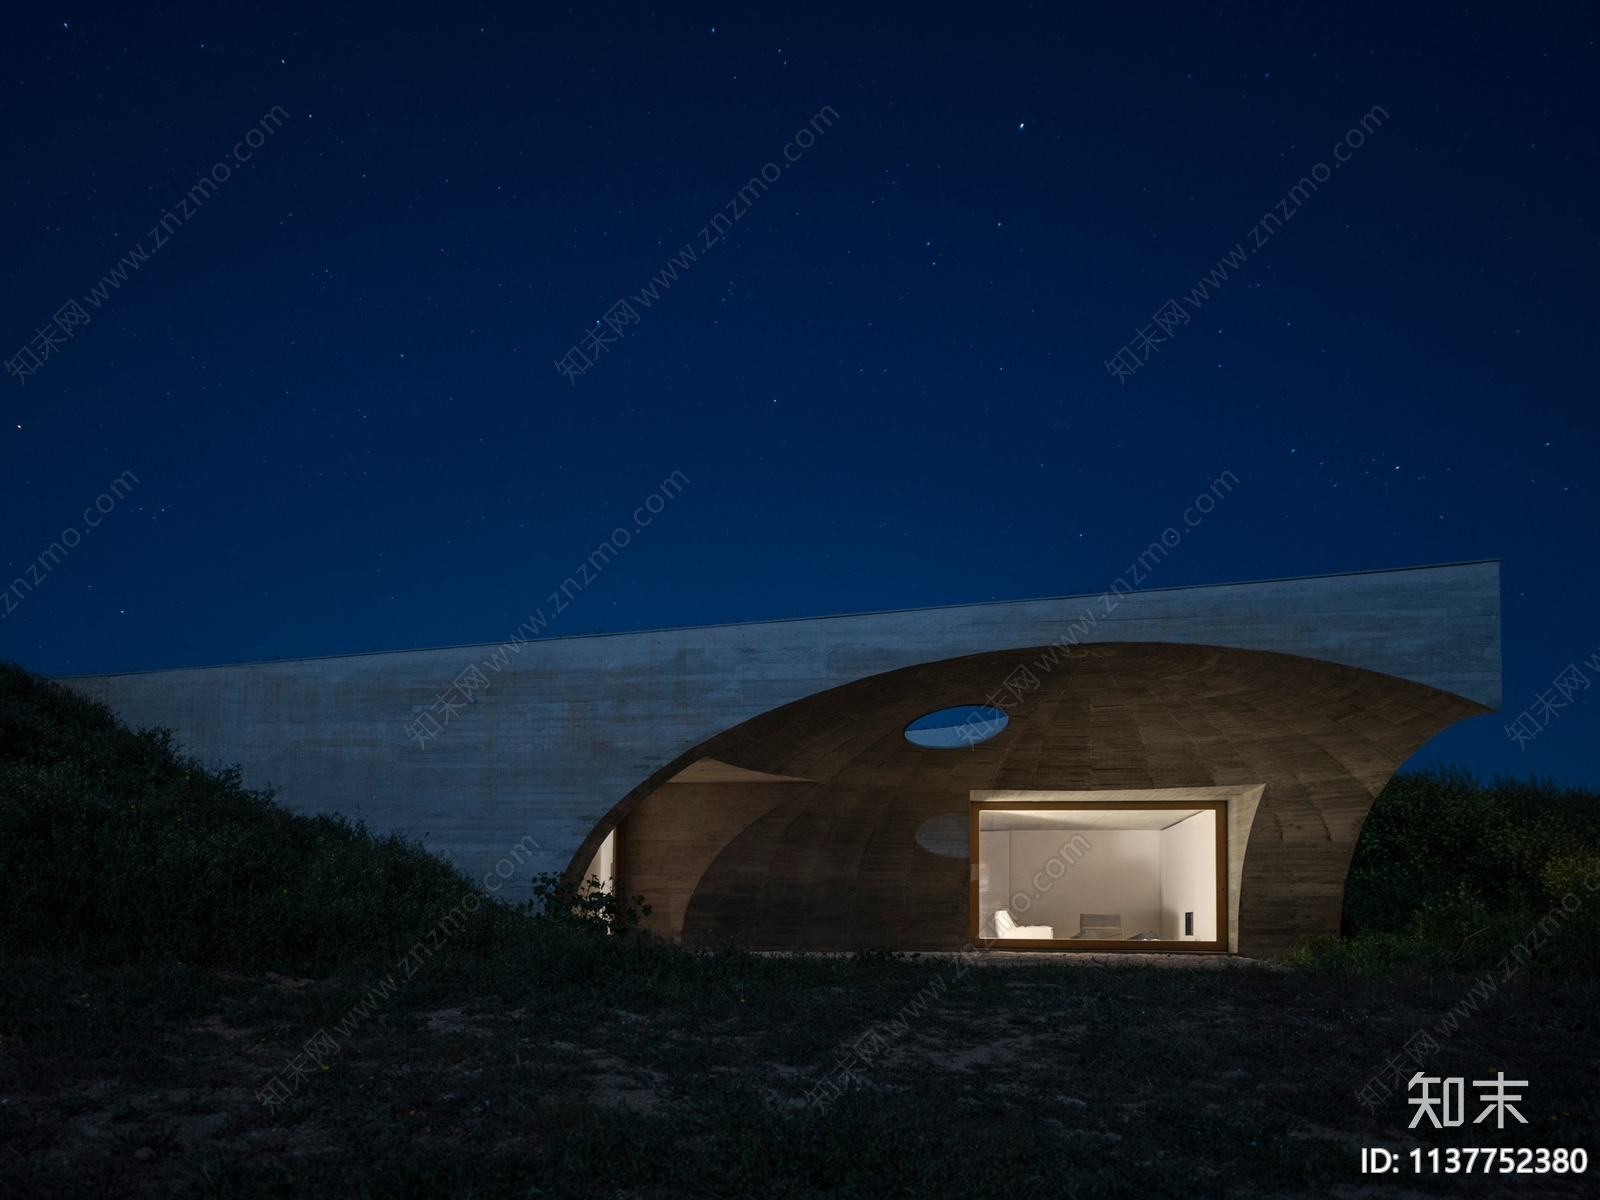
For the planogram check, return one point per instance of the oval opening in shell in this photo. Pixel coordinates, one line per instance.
(954, 728)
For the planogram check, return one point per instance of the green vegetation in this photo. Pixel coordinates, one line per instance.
(1450, 874)
(170, 941)
(115, 848)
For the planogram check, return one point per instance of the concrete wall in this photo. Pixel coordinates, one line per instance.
(568, 727)
(678, 831)
(994, 880)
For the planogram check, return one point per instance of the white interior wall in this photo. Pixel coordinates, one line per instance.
(1189, 877)
(604, 863)
(1120, 873)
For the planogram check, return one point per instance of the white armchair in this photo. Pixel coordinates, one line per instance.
(1005, 927)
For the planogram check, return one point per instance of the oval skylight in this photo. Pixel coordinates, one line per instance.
(952, 728)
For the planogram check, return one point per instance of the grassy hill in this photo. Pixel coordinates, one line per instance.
(117, 848)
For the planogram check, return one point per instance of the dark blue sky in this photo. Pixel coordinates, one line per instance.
(334, 378)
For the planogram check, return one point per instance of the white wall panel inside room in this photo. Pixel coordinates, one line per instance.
(1189, 876)
(1120, 873)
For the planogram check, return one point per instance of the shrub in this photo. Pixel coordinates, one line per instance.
(589, 905)
(1451, 874)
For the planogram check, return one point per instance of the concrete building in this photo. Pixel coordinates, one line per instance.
(793, 784)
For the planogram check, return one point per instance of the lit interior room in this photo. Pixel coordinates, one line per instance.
(603, 866)
(1075, 876)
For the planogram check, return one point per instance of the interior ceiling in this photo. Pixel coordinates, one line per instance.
(1178, 797)
(1003, 820)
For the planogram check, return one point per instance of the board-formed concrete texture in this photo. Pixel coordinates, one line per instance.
(1315, 687)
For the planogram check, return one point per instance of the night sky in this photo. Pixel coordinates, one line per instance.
(333, 373)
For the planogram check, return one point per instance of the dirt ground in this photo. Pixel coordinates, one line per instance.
(822, 1077)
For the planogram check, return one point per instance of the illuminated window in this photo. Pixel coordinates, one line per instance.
(1075, 876)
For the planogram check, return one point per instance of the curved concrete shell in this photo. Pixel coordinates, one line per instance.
(764, 789)
(836, 863)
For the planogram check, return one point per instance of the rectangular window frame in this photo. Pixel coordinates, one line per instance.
(1094, 946)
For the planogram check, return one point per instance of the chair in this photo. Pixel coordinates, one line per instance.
(1005, 927)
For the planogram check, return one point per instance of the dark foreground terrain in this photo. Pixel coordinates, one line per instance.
(691, 1081)
(202, 995)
